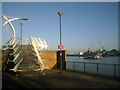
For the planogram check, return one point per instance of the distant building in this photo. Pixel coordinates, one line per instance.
(105, 53)
(113, 52)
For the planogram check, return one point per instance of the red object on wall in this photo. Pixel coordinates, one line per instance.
(60, 47)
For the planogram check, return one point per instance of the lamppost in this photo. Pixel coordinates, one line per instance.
(60, 46)
(21, 27)
(21, 33)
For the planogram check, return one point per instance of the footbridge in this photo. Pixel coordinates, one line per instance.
(23, 57)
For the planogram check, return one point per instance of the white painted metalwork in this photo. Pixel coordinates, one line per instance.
(15, 50)
(25, 41)
(37, 44)
(17, 55)
(15, 44)
(36, 52)
(16, 66)
(11, 41)
(45, 44)
(13, 38)
(41, 44)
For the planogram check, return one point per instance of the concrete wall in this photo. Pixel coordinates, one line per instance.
(5, 55)
(49, 58)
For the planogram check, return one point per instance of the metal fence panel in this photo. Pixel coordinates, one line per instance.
(106, 69)
(91, 68)
(69, 65)
(117, 70)
(97, 68)
(79, 66)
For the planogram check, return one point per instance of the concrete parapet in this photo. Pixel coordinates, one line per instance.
(49, 58)
(5, 55)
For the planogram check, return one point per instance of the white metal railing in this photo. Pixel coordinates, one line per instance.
(16, 66)
(36, 43)
(36, 52)
(16, 43)
(96, 68)
(16, 49)
(16, 56)
(13, 38)
(11, 46)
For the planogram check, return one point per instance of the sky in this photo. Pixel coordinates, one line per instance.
(0, 24)
(84, 24)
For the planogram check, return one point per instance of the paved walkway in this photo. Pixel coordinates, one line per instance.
(53, 79)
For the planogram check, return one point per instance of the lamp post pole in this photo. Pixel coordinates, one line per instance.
(21, 28)
(21, 34)
(60, 13)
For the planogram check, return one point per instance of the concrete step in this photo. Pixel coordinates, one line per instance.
(29, 67)
(31, 57)
(22, 63)
(30, 61)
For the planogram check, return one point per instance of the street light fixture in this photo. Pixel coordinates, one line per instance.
(60, 46)
(24, 19)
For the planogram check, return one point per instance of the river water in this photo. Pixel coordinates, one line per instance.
(105, 60)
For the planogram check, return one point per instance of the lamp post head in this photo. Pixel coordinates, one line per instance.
(21, 23)
(24, 19)
(60, 13)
